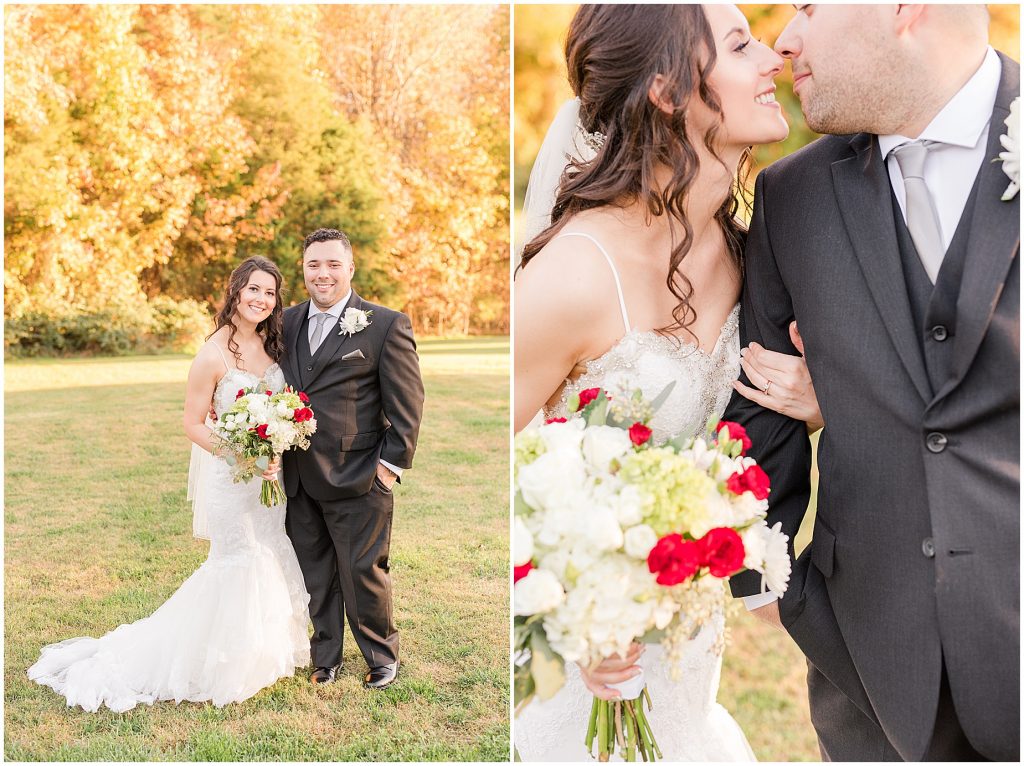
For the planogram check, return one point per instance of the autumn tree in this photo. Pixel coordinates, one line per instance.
(433, 83)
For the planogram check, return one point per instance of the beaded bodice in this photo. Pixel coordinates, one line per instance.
(649, 362)
(234, 379)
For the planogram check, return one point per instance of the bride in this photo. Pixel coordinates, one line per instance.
(631, 279)
(239, 622)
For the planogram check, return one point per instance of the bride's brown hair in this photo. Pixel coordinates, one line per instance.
(613, 53)
(271, 328)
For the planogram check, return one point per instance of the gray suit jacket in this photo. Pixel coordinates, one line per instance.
(871, 609)
(367, 407)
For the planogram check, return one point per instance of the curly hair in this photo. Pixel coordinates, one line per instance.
(271, 328)
(613, 53)
(327, 235)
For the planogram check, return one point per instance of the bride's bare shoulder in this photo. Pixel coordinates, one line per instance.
(570, 270)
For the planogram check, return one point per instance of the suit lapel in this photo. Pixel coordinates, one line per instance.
(992, 242)
(291, 340)
(334, 341)
(863, 190)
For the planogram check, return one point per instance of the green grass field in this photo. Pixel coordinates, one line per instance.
(98, 532)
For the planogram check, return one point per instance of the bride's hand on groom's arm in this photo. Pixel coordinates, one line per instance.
(612, 670)
(782, 381)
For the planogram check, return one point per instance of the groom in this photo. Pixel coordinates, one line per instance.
(894, 244)
(357, 362)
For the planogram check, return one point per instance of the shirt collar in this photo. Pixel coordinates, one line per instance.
(334, 311)
(965, 116)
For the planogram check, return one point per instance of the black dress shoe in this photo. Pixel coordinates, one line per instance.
(325, 675)
(381, 676)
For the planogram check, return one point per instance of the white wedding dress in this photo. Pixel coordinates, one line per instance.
(235, 626)
(688, 722)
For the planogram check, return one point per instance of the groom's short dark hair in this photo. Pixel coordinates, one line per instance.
(327, 235)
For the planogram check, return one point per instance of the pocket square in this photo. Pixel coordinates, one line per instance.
(357, 354)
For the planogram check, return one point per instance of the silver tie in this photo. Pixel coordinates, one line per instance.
(318, 330)
(922, 220)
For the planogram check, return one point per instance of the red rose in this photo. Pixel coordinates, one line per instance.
(269, 392)
(240, 394)
(588, 395)
(518, 573)
(303, 414)
(736, 433)
(639, 433)
(753, 479)
(723, 551)
(261, 431)
(674, 559)
(303, 398)
(554, 420)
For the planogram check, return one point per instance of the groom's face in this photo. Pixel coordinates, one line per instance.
(845, 66)
(327, 268)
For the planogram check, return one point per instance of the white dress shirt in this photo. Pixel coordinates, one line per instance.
(961, 132)
(961, 128)
(335, 312)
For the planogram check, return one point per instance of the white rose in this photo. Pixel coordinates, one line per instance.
(640, 540)
(522, 543)
(699, 453)
(602, 444)
(717, 512)
(630, 506)
(560, 527)
(563, 436)
(537, 593)
(727, 467)
(602, 529)
(550, 481)
(282, 409)
(746, 508)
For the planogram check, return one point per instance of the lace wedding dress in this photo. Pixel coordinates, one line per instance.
(235, 626)
(688, 723)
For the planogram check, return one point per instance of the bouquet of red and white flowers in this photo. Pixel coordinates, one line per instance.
(259, 426)
(618, 540)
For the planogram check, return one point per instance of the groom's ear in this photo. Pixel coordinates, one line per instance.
(906, 17)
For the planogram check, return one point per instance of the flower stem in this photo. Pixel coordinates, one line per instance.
(592, 725)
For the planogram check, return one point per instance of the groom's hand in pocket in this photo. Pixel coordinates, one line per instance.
(769, 613)
(612, 670)
(386, 476)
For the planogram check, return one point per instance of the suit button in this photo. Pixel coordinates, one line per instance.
(928, 547)
(309, 369)
(939, 333)
(936, 442)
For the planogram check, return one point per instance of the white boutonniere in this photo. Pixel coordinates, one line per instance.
(1011, 157)
(353, 321)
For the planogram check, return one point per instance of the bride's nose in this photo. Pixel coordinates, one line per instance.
(772, 63)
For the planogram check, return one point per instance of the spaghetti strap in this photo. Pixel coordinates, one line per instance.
(615, 273)
(222, 357)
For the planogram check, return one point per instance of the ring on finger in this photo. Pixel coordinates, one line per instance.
(767, 386)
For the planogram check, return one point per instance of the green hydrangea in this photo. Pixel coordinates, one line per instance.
(529, 447)
(675, 491)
